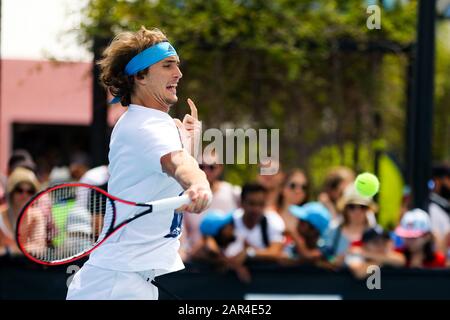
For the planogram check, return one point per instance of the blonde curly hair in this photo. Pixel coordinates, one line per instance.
(115, 57)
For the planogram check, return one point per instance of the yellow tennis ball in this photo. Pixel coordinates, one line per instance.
(367, 184)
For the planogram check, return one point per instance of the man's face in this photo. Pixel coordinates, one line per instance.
(445, 188)
(254, 204)
(160, 83)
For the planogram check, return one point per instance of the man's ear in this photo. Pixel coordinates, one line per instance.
(139, 78)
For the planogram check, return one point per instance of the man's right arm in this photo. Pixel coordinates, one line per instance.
(184, 168)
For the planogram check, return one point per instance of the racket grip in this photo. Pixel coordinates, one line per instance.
(170, 203)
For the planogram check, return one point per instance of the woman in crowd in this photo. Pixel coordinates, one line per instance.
(294, 192)
(21, 185)
(356, 212)
(271, 182)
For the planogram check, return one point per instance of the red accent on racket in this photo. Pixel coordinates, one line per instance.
(68, 221)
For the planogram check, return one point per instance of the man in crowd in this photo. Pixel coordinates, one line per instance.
(258, 230)
(439, 208)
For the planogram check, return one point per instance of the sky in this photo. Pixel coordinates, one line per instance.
(37, 29)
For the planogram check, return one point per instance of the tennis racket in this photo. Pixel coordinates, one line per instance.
(68, 221)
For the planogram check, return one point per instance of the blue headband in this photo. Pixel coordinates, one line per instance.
(146, 58)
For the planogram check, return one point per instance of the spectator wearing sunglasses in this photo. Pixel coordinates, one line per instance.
(226, 198)
(294, 192)
(22, 184)
(356, 212)
(18, 158)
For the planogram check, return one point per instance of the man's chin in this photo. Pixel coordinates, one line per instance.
(171, 101)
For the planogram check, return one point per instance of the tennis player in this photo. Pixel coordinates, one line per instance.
(147, 162)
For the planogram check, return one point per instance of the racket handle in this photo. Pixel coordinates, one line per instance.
(170, 203)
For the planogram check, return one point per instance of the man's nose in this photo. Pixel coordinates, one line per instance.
(178, 74)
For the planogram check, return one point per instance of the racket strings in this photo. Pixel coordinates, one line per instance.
(64, 222)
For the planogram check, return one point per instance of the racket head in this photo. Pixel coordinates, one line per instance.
(65, 223)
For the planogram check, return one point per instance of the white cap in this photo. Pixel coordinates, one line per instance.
(414, 224)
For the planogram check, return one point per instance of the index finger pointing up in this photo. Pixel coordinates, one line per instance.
(193, 109)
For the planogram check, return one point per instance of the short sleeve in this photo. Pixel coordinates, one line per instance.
(276, 227)
(157, 137)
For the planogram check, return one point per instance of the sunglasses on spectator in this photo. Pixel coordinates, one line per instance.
(22, 191)
(209, 167)
(294, 186)
(357, 206)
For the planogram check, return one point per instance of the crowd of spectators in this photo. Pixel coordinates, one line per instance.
(275, 219)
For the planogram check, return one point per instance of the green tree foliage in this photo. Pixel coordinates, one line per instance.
(311, 68)
(441, 119)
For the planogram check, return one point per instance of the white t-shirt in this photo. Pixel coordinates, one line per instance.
(440, 221)
(139, 139)
(275, 230)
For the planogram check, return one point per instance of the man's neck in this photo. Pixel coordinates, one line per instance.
(149, 103)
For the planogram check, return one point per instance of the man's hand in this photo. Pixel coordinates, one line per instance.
(190, 129)
(237, 263)
(201, 197)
